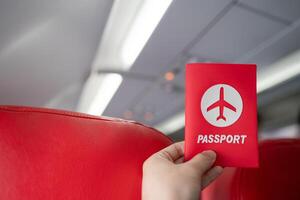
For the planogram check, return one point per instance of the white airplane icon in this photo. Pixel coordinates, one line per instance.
(221, 103)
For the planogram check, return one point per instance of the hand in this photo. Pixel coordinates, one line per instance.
(167, 177)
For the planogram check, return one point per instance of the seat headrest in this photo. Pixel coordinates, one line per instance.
(278, 176)
(50, 154)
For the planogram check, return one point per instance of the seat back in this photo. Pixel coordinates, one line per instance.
(50, 154)
(277, 178)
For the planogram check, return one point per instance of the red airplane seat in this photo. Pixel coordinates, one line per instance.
(277, 178)
(50, 154)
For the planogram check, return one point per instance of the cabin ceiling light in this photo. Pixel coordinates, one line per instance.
(143, 25)
(105, 92)
(129, 27)
(279, 72)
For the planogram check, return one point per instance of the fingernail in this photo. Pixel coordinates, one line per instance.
(219, 169)
(210, 154)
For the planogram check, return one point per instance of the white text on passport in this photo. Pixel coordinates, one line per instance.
(221, 138)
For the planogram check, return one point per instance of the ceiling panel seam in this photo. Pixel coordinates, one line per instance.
(209, 26)
(264, 14)
(269, 42)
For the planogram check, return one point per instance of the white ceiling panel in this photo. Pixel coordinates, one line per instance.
(47, 46)
(182, 23)
(285, 43)
(285, 9)
(238, 32)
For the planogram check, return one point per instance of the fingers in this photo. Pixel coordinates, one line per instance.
(179, 160)
(203, 161)
(172, 152)
(211, 175)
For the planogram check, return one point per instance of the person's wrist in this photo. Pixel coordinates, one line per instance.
(183, 192)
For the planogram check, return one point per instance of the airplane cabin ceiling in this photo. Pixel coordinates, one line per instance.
(46, 49)
(259, 32)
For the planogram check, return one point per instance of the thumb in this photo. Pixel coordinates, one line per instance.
(202, 161)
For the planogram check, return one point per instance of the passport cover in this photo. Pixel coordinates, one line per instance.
(221, 113)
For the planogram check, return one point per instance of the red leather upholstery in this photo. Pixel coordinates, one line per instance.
(277, 178)
(49, 154)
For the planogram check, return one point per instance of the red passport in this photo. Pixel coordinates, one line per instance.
(221, 113)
